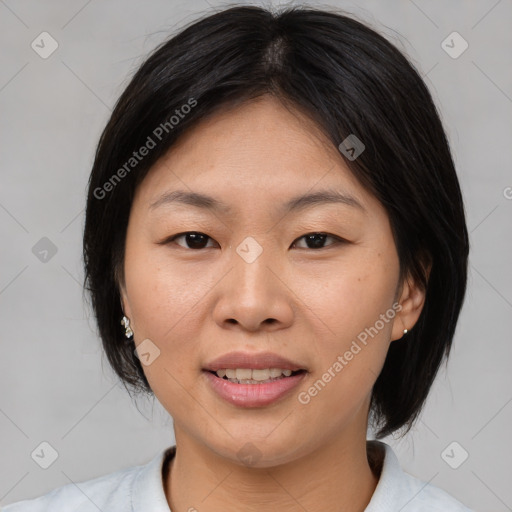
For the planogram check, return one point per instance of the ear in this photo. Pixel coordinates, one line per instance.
(125, 304)
(411, 300)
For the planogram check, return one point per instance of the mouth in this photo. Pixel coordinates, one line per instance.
(250, 388)
(254, 379)
(254, 375)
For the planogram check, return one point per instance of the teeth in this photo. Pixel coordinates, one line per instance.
(247, 374)
(243, 374)
(260, 374)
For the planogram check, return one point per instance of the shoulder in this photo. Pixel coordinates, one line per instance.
(419, 496)
(398, 490)
(102, 493)
(109, 492)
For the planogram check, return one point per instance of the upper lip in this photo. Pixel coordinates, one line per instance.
(257, 361)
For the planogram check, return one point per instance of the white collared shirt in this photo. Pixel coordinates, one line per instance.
(140, 489)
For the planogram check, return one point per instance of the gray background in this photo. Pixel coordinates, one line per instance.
(56, 385)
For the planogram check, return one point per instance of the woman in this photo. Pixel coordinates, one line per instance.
(275, 220)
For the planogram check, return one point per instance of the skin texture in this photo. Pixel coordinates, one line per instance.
(197, 304)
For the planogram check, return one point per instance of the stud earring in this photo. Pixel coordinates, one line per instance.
(405, 331)
(127, 329)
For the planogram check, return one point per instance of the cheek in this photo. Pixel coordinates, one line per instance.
(166, 307)
(350, 296)
(354, 315)
(160, 293)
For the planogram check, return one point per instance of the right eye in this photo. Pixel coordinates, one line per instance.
(193, 239)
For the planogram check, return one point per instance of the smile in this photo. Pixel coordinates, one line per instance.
(245, 387)
(253, 376)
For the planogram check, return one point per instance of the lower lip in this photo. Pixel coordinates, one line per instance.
(253, 395)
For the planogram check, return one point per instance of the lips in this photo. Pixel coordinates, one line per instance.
(232, 377)
(253, 395)
(255, 361)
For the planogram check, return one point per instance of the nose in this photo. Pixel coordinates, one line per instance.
(254, 296)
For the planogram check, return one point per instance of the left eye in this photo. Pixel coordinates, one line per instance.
(195, 240)
(316, 240)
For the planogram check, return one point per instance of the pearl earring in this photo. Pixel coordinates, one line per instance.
(127, 329)
(405, 331)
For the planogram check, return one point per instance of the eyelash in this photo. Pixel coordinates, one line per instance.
(337, 239)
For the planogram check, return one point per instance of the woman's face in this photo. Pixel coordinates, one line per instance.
(247, 279)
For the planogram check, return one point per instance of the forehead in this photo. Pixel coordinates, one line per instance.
(257, 152)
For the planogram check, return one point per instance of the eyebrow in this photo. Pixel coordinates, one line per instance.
(294, 204)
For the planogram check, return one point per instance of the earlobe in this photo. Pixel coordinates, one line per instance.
(126, 320)
(125, 306)
(412, 300)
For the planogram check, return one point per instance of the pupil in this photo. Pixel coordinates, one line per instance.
(317, 242)
(194, 240)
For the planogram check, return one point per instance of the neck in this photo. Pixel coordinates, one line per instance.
(334, 477)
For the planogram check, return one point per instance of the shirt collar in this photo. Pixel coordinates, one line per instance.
(148, 488)
(387, 493)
